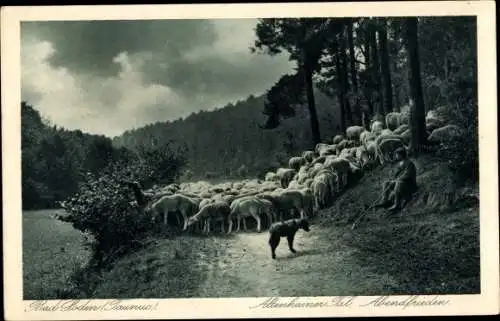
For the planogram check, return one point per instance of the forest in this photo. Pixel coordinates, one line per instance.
(348, 71)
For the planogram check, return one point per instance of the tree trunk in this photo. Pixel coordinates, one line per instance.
(339, 92)
(417, 107)
(375, 70)
(345, 79)
(386, 72)
(313, 116)
(352, 57)
(367, 90)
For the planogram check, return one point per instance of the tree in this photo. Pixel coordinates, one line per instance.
(374, 68)
(417, 107)
(303, 39)
(386, 72)
(281, 99)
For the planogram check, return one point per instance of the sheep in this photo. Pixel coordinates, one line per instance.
(295, 162)
(376, 126)
(393, 120)
(337, 139)
(331, 178)
(342, 167)
(366, 136)
(316, 168)
(294, 185)
(320, 191)
(363, 156)
(385, 133)
(318, 160)
(434, 123)
(320, 146)
(287, 201)
(445, 134)
(308, 155)
(285, 175)
(353, 132)
(270, 176)
(344, 144)
(324, 149)
(250, 207)
(401, 129)
(387, 146)
(172, 203)
(377, 117)
(307, 201)
(406, 136)
(215, 211)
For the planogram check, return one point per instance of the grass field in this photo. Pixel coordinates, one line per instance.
(51, 251)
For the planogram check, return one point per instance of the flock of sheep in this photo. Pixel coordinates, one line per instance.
(309, 183)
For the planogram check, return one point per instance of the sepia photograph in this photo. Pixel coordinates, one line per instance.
(322, 162)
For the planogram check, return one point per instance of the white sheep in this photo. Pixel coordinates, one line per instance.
(320, 146)
(308, 155)
(445, 134)
(320, 191)
(401, 129)
(376, 127)
(294, 185)
(285, 175)
(366, 136)
(387, 146)
(250, 207)
(216, 211)
(342, 167)
(172, 203)
(337, 139)
(362, 156)
(270, 177)
(393, 120)
(295, 162)
(353, 132)
(325, 149)
(344, 144)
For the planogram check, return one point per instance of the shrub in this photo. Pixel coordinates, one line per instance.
(102, 207)
(462, 153)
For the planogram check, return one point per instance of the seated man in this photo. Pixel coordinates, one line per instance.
(403, 185)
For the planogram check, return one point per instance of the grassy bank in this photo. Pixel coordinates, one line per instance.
(432, 245)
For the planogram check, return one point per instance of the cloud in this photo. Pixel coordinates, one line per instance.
(93, 103)
(109, 76)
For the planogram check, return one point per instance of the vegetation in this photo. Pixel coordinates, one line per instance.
(349, 70)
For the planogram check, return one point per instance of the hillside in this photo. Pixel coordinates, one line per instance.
(429, 248)
(218, 143)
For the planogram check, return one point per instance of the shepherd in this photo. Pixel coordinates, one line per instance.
(400, 189)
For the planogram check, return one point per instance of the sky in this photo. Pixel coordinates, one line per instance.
(105, 77)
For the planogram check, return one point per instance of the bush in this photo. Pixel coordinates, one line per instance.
(462, 153)
(102, 207)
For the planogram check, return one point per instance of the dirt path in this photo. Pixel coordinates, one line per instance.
(322, 266)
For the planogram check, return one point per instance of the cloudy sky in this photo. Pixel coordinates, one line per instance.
(105, 77)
